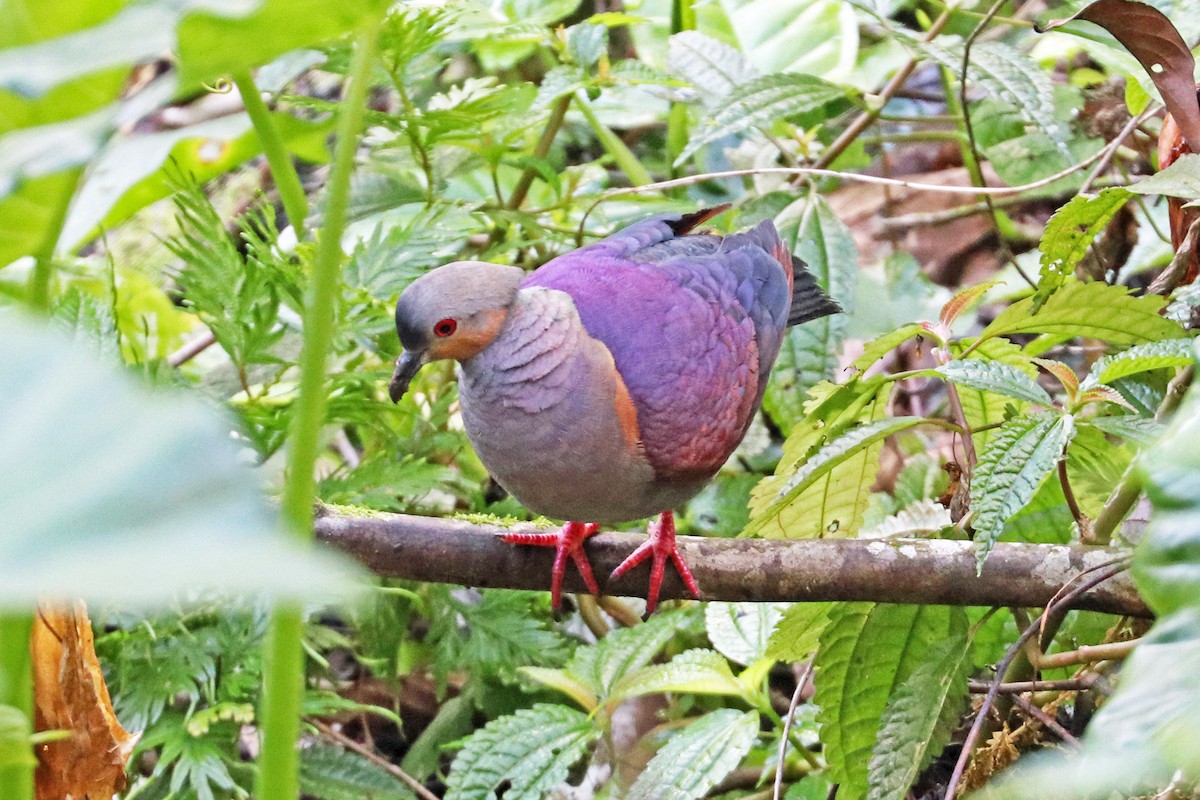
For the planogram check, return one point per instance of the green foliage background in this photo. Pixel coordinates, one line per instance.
(162, 231)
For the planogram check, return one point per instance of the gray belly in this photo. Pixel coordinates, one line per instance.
(568, 460)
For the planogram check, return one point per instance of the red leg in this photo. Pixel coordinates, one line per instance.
(661, 547)
(566, 542)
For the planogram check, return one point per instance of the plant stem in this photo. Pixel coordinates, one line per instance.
(283, 170)
(283, 681)
(557, 112)
(626, 160)
(683, 18)
(16, 689)
(42, 279)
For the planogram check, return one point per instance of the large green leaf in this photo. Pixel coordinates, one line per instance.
(867, 652)
(809, 353)
(697, 758)
(834, 502)
(1011, 469)
(605, 664)
(995, 376)
(762, 101)
(852, 442)
(331, 773)
(741, 630)
(696, 671)
(921, 715)
(1097, 310)
(796, 636)
(1139, 358)
(531, 750)
(712, 66)
(818, 37)
(119, 495)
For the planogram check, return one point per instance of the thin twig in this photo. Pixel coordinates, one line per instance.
(1080, 684)
(787, 727)
(1114, 146)
(192, 349)
(1001, 668)
(557, 112)
(1088, 654)
(1072, 504)
(374, 758)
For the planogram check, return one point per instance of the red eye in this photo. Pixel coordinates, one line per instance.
(445, 327)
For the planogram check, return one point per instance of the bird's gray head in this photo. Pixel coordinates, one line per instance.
(452, 312)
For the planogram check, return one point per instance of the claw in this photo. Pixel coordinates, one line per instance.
(661, 547)
(566, 542)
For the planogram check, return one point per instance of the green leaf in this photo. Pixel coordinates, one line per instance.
(1140, 358)
(603, 665)
(531, 751)
(880, 346)
(809, 352)
(761, 101)
(740, 631)
(564, 682)
(995, 376)
(796, 636)
(1180, 179)
(850, 443)
(15, 730)
(330, 773)
(697, 671)
(818, 37)
(1011, 468)
(586, 43)
(920, 717)
(709, 64)
(130, 497)
(696, 759)
(1139, 430)
(1069, 233)
(1095, 310)
(867, 652)
(834, 504)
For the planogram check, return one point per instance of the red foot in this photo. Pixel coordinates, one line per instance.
(566, 542)
(660, 546)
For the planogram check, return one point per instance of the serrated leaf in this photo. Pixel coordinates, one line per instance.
(697, 671)
(880, 346)
(1069, 233)
(983, 408)
(964, 300)
(761, 101)
(995, 376)
(531, 751)
(586, 42)
(922, 517)
(848, 444)
(809, 352)
(1011, 468)
(740, 631)
(564, 682)
(698, 758)
(920, 716)
(709, 64)
(1140, 430)
(603, 665)
(1140, 358)
(867, 652)
(795, 637)
(1096, 310)
(330, 773)
(834, 504)
(1010, 76)
(1103, 394)
(818, 37)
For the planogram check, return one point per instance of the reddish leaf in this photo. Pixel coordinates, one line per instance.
(1150, 37)
(1171, 146)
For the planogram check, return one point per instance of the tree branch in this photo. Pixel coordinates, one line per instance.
(908, 571)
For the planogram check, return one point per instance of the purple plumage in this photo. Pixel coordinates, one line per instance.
(613, 382)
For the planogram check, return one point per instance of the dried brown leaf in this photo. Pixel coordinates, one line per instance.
(1155, 42)
(70, 695)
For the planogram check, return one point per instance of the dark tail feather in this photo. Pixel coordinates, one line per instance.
(686, 223)
(809, 300)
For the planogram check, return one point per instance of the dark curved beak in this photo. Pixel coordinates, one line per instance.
(406, 367)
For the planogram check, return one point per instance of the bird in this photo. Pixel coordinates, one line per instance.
(612, 383)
